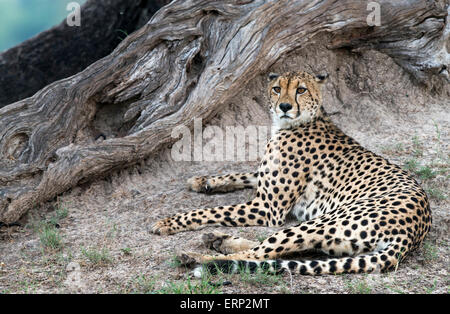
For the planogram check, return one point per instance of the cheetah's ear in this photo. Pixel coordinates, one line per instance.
(322, 78)
(273, 76)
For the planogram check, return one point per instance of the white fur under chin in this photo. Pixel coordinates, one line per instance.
(285, 123)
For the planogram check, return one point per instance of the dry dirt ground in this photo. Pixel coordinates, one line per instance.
(95, 238)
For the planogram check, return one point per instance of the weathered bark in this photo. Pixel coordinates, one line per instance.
(185, 63)
(63, 51)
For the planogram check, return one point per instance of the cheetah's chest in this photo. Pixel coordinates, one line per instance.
(307, 205)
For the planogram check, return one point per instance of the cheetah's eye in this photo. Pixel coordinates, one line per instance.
(277, 89)
(301, 90)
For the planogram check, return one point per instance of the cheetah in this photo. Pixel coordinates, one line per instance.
(363, 212)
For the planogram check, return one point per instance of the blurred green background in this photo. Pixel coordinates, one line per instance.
(22, 19)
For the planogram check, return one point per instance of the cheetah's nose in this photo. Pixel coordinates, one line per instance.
(285, 107)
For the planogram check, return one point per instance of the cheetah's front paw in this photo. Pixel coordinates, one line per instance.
(226, 244)
(163, 227)
(191, 259)
(215, 240)
(199, 184)
(188, 259)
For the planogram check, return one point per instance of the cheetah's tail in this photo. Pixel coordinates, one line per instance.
(382, 260)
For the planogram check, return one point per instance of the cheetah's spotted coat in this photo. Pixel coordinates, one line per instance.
(355, 206)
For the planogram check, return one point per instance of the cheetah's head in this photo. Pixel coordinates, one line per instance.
(295, 98)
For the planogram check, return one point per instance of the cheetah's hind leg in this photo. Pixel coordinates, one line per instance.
(225, 183)
(227, 244)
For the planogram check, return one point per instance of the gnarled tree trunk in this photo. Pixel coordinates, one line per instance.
(185, 63)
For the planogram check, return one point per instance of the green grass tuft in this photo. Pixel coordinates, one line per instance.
(97, 257)
(50, 237)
